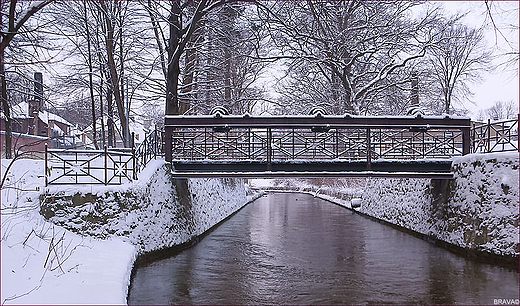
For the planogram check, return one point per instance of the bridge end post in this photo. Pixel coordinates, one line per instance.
(269, 149)
(168, 149)
(466, 140)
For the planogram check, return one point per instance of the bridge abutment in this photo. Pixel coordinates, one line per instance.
(476, 212)
(156, 215)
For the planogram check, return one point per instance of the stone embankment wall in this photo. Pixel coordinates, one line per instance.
(477, 211)
(158, 214)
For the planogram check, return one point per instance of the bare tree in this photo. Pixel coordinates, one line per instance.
(457, 61)
(17, 16)
(509, 27)
(216, 65)
(223, 67)
(502, 110)
(180, 35)
(346, 51)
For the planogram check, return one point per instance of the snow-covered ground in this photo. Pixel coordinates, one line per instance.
(44, 263)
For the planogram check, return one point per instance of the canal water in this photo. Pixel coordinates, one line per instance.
(289, 248)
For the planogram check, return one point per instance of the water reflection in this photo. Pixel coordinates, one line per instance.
(297, 249)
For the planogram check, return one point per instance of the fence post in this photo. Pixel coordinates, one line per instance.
(46, 165)
(472, 132)
(106, 165)
(488, 142)
(155, 143)
(369, 153)
(269, 157)
(168, 131)
(336, 132)
(466, 140)
(134, 174)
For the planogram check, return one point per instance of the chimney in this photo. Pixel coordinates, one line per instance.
(37, 102)
(38, 89)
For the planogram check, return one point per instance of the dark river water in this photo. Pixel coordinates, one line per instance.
(296, 249)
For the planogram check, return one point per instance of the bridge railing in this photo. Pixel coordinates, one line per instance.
(150, 148)
(110, 166)
(247, 144)
(500, 136)
(107, 167)
(316, 138)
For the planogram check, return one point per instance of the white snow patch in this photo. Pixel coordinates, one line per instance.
(42, 263)
(46, 264)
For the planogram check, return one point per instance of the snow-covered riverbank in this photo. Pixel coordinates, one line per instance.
(90, 262)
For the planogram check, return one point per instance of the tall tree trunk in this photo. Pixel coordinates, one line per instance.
(172, 79)
(7, 112)
(189, 87)
(91, 83)
(125, 130)
(187, 82)
(227, 77)
(101, 106)
(227, 19)
(110, 121)
(102, 75)
(155, 26)
(114, 79)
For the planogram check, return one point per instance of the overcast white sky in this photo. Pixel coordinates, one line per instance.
(501, 84)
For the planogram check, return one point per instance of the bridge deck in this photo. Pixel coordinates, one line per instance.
(250, 169)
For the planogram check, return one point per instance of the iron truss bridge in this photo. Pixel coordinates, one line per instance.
(314, 146)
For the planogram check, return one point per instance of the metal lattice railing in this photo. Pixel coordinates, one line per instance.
(254, 144)
(314, 138)
(150, 148)
(279, 140)
(105, 167)
(500, 136)
(113, 166)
